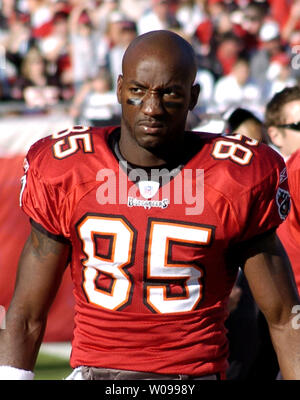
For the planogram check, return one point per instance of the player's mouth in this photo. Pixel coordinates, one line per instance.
(151, 128)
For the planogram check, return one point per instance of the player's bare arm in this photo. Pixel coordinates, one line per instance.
(42, 264)
(272, 283)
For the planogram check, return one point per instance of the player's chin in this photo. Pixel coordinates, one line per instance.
(153, 140)
(152, 143)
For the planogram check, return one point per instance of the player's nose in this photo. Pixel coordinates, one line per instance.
(152, 105)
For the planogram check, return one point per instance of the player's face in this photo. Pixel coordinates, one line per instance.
(290, 139)
(155, 101)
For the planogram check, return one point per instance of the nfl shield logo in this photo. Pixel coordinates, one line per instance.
(148, 188)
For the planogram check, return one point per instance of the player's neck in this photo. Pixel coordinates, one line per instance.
(142, 157)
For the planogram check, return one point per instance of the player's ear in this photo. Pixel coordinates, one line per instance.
(276, 136)
(119, 87)
(194, 95)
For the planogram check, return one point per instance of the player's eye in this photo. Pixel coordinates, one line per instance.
(136, 90)
(170, 93)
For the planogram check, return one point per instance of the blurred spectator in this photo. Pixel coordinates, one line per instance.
(128, 32)
(249, 25)
(134, 9)
(34, 86)
(160, 16)
(120, 31)
(214, 8)
(282, 111)
(270, 47)
(279, 11)
(6, 13)
(82, 47)
(279, 75)
(282, 119)
(18, 39)
(253, 17)
(244, 122)
(96, 103)
(227, 52)
(40, 17)
(111, 37)
(77, 37)
(14, 43)
(189, 14)
(55, 50)
(222, 55)
(220, 41)
(225, 19)
(100, 15)
(206, 81)
(54, 45)
(114, 28)
(205, 30)
(236, 89)
(292, 22)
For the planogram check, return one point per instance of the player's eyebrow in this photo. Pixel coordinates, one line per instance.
(176, 88)
(136, 83)
(172, 87)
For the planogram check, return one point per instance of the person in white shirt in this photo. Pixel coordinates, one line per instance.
(161, 15)
(236, 89)
(190, 14)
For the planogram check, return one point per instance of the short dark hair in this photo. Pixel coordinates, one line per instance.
(273, 112)
(239, 116)
(260, 8)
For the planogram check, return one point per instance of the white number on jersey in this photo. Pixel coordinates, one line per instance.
(69, 142)
(235, 151)
(159, 269)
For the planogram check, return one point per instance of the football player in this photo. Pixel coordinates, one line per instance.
(282, 119)
(156, 222)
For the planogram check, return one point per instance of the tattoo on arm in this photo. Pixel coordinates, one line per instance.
(43, 246)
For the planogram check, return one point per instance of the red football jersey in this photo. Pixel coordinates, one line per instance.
(151, 262)
(289, 231)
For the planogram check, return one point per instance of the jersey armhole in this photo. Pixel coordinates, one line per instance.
(40, 228)
(236, 255)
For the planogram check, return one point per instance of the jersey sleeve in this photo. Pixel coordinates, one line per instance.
(41, 200)
(293, 220)
(265, 204)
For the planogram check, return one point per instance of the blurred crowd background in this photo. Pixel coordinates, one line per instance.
(55, 51)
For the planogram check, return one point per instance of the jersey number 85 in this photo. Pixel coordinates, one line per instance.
(160, 268)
